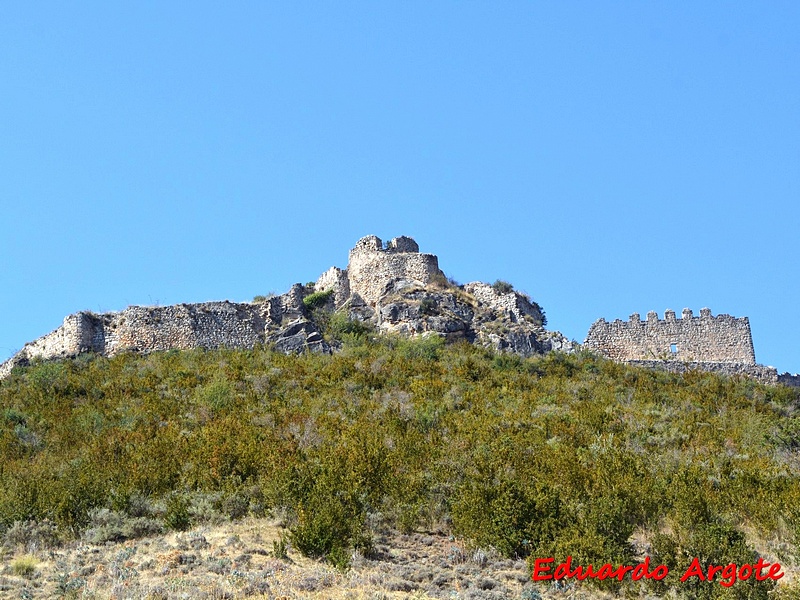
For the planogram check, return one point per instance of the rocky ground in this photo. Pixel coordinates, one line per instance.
(245, 559)
(238, 560)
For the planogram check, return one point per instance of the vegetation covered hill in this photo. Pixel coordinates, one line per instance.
(542, 457)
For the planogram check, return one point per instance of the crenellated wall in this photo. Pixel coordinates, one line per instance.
(720, 339)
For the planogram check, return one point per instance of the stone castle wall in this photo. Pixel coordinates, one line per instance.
(156, 328)
(280, 320)
(515, 305)
(372, 267)
(703, 339)
(768, 375)
(334, 279)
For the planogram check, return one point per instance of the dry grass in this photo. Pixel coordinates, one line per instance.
(235, 560)
(24, 566)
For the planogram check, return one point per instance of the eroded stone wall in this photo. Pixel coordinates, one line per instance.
(513, 304)
(335, 279)
(703, 339)
(764, 374)
(182, 327)
(372, 267)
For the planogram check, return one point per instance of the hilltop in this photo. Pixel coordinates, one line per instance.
(393, 289)
(415, 435)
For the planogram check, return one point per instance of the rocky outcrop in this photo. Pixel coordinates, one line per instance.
(454, 313)
(404, 292)
(395, 288)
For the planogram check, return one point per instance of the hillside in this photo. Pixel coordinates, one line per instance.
(516, 457)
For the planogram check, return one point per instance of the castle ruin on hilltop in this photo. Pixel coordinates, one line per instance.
(722, 343)
(371, 268)
(394, 288)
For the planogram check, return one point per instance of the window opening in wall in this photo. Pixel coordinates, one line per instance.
(673, 348)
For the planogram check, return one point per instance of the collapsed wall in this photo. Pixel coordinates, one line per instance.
(144, 329)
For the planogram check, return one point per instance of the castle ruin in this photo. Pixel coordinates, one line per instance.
(388, 286)
(722, 343)
(278, 320)
(402, 291)
(371, 267)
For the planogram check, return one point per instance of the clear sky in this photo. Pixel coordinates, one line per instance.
(605, 157)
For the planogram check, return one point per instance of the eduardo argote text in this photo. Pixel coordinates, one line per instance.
(725, 575)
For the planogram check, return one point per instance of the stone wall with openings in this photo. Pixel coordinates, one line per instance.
(707, 339)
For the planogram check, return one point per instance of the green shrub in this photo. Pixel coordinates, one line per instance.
(177, 515)
(427, 306)
(339, 557)
(217, 396)
(341, 327)
(502, 287)
(427, 347)
(542, 320)
(317, 299)
(40, 535)
(324, 526)
(440, 281)
(280, 547)
(109, 526)
(24, 566)
(506, 515)
(236, 505)
(714, 543)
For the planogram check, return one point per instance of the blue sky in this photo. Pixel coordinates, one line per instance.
(607, 158)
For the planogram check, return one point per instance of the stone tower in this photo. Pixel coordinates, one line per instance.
(372, 267)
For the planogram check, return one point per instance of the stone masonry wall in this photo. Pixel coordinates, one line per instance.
(768, 375)
(150, 329)
(372, 267)
(706, 339)
(513, 304)
(334, 279)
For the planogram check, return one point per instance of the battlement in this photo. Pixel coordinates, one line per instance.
(720, 339)
(372, 266)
